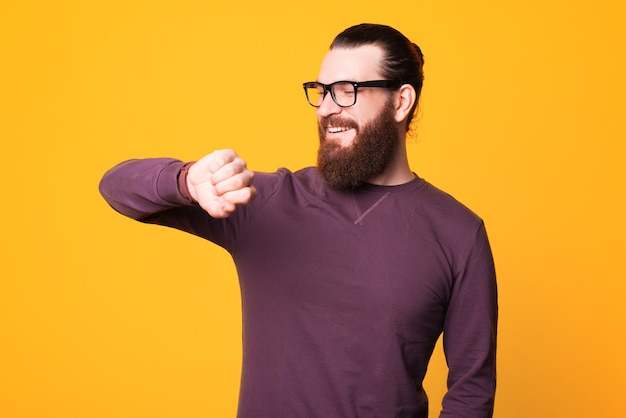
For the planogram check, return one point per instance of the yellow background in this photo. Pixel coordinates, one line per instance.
(522, 119)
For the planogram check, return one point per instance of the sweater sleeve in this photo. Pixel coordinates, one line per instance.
(469, 337)
(140, 188)
(147, 190)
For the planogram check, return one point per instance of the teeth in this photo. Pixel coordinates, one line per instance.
(335, 130)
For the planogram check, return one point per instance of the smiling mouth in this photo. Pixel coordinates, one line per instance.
(334, 130)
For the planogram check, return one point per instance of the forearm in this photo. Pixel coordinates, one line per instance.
(140, 188)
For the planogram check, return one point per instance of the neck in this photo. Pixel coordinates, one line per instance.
(398, 171)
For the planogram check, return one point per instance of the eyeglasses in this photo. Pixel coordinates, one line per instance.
(342, 92)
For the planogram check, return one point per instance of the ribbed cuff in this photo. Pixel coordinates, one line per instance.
(182, 182)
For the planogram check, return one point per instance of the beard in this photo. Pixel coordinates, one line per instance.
(369, 155)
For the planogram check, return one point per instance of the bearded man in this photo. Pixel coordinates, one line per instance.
(349, 271)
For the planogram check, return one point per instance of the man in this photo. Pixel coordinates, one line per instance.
(349, 271)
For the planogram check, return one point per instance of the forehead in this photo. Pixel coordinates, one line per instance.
(352, 64)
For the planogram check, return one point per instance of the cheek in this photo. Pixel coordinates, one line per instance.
(368, 114)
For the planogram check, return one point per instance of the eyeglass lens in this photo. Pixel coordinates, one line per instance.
(343, 93)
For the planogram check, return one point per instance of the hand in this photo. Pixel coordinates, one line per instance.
(219, 182)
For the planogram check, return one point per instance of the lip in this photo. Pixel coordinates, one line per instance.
(343, 136)
(337, 129)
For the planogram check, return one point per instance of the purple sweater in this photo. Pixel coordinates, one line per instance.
(344, 292)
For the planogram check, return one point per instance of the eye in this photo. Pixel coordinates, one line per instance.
(344, 89)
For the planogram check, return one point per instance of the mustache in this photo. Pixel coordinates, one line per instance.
(337, 121)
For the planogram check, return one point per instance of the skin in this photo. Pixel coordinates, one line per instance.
(221, 181)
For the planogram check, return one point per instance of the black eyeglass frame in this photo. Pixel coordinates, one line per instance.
(388, 84)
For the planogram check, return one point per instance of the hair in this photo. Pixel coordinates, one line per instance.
(403, 61)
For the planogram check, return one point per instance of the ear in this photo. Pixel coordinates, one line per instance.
(404, 102)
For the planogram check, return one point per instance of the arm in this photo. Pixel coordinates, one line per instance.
(470, 335)
(218, 182)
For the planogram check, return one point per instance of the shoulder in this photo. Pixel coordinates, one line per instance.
(306, 174)
(447, 219)
(306, 180)
(442, 204)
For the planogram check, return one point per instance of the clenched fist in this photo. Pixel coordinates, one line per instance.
(220, 182)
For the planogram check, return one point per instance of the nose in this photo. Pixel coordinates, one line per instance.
(328, 107)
